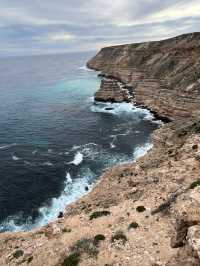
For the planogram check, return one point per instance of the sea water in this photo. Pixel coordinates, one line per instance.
(54, 141)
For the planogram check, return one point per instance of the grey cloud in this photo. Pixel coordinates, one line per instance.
(38, 26)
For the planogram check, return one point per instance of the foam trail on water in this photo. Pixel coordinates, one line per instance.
(15, 158)
(77, 159)
(47, 164)
(7, 146)
(85, 68)
(112, 145)
(68, 178)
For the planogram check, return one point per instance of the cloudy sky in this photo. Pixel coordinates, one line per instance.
(49, 26)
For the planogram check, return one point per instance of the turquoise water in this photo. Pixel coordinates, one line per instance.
(54, 141)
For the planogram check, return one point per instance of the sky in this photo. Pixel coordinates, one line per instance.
(49, 26)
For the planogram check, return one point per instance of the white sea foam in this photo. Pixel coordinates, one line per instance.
(7, 146)
(68, 178)
(34, 152)
(78, 158)
(15, 158)
(47, 164)
(88, 150)
(120, 108)
(91, 99)
(142, 150)
(10, 224)
(112, 108)
(112, 145)
(75, 147)
(85, 68)
(72, 191)
(28, 163)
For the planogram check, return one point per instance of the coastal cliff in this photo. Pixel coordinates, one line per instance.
(163, 76)
(146, 212)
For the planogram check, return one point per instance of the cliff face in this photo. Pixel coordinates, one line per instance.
(163, 75)
(145, 213)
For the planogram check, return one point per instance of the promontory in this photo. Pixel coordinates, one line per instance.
(146, 213)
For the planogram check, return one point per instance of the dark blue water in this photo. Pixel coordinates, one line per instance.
(53, 140)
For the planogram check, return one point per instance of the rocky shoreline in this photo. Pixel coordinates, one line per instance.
(163, 75)
(144, 213)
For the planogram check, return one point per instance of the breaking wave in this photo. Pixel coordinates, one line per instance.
(15, 158)
(85, 68)
(73, 190)
(142, 150)
(120, 108)
(78, 158)
(7, 146)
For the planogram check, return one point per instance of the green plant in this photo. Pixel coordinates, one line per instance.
(18, 253)
(85, 245)
(30, 259)
(98, 238)
(195, 184)
(140, 209)
(72, 260)
(119, 236)
(98, 214)
(66, 230)
(133, 225)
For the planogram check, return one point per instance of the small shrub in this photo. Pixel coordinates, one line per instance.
(85, 245)
(195, 184)
(18, 253)
(119, 236)
(82, 246)
(195, 147)
(30, 259)
(98, 214)
(98, 238)
(140, 209)
(133, 225)
(197, 157)
(66, 230)
(72, 260)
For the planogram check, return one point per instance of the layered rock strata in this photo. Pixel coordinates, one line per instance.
(163, 75)
(145, 213)
(113, 91)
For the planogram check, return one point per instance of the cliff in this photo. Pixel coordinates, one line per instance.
(162, 75)
(145, 213)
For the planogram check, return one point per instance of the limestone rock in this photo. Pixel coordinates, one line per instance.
(162, 75)
(193, 238)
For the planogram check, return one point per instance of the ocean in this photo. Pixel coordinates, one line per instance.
(54, 140)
